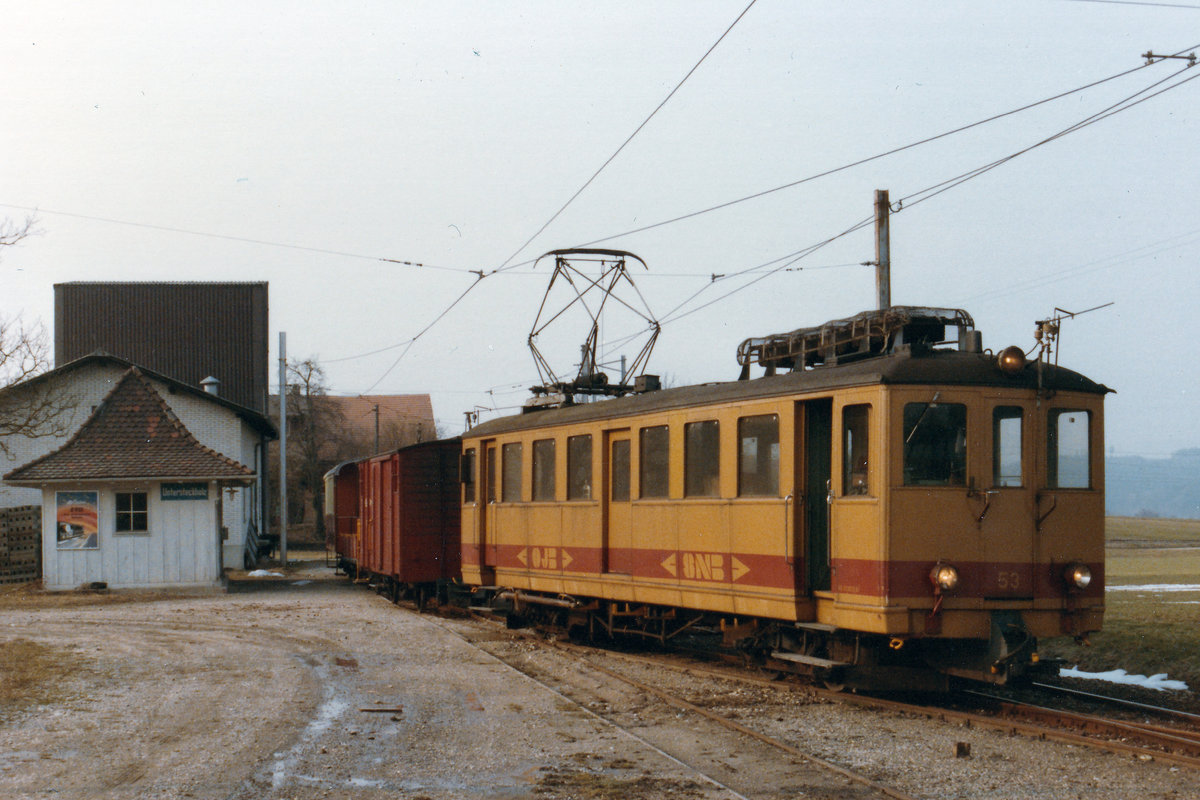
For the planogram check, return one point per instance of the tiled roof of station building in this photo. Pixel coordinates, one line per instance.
(131, 434)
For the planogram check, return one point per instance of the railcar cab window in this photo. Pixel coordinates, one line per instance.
(653, 460)
(1069, 449)
(758, 456)
(579, 467)
(1006, 446)
(467, 469)
(510, 457)
(543, 470)
(132, 516)
(935, 444)
(701, 459)
(855, 440)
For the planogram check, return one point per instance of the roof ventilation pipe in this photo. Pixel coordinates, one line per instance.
(211, 385)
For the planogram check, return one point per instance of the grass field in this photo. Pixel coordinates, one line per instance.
(1146, 631)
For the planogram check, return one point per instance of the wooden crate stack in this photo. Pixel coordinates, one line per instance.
(20, 544)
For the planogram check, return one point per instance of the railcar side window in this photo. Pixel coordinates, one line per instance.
(758, 456)
(579, 467)
(620, 471)
(1069, 461)
(510, 458)
(543, 470)
(701, 459)
(855, 439)
(935, 444)
(1006, 446)
(653, 455)
(468, 475)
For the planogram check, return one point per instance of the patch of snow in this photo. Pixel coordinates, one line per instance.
(1157, 587)
(330, 709)
(262, 573)
(301, 583)
(1157, 682)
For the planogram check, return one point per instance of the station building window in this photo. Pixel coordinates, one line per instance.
(856, 472)
(132, 513)
(935, 444)
(510, 458)
(1069, 449)
(758, 456)
(543, 470)
(1006, 446)
(654, 459)
(579, 467)
(701, 459)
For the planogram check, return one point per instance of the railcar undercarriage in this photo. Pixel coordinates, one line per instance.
(834, 657)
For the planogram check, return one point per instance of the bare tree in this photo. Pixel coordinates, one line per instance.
(31, 411)
(11, 233)
(315, 426)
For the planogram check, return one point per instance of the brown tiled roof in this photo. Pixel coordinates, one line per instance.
(397, 412)
(403, 409)
(131, 434)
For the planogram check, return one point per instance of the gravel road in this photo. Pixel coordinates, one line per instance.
(316, 688)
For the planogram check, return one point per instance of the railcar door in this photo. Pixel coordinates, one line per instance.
(814, 453)
(618, 517)
(490, 492)
(1004, 511)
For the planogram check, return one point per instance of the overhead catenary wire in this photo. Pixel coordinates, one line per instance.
(481, 274)
(790, 260)
(869, 159)
(630, 138)
(1108, 262)
(936, 189)
(229, 238)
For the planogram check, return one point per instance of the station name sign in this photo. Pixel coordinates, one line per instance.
(184, 491)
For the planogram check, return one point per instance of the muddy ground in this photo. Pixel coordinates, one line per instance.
(309, 686)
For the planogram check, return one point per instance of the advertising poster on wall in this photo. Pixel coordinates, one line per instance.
(78, 520)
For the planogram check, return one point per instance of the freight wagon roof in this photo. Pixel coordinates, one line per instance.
(938, 368)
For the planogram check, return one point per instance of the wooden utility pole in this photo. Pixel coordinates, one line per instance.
(883, 255)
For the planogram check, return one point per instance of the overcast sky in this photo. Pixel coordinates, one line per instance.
(300, 144)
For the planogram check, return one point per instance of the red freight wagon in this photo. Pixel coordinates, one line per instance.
(409, 517)
(341, 514)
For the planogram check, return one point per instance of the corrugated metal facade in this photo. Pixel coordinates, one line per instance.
(187, 331)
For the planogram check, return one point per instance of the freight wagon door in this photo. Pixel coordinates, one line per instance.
(618, 519)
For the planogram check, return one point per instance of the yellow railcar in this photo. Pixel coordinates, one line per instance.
(896, 513)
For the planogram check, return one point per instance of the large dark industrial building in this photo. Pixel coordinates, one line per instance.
(188, 330)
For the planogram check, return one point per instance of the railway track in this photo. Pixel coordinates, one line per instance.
(1177, 744)
(820, 776)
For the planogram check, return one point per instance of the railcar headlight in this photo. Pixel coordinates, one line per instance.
(944, 577)
(1011, 360)
(1077, 576)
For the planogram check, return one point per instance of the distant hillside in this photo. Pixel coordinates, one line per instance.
(1160, 487)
